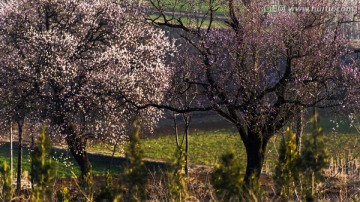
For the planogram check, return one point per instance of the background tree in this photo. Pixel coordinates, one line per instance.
(183, 96)
(77, 64)
(16, 108)
(257, 69)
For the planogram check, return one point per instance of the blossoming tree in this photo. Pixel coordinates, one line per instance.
(257, 69)
(76, 65)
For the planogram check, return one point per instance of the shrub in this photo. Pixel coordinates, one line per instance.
(313, 160)
(132, 183)
(135, 174)
(286, 172)
(176, 180)
(42, 171)
(227, 178)
(110, 191)
(6, 182)
(64, 195)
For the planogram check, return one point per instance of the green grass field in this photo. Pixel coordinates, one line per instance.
(205, 148)
(192, 6)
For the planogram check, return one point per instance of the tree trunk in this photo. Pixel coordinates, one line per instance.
(255, 151)
(77, 147)
(113, 153)
(176, 132)
(187, 132)
(31, 165)
(19, 164)
(11, 151)
(299, 129)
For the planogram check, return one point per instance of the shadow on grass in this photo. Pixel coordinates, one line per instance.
(66, 166)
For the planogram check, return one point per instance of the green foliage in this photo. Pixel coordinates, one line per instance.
(313, 159)
(135, 174)
(286, 169)
(64, 195)
(304, 171)
(6, 182)
(254, 193)
(87, 185)
(42, 171)
(110, 191)
(176, 180)
(227, 178)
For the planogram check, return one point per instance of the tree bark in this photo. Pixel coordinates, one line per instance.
(187, 118)
(77, 147)
(255, 146)
(178, 144)
(299, 129)
(113, 153)
(19, 163)
(11, 151)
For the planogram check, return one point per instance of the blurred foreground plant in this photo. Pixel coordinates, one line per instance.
(42, 171)
(6, 182)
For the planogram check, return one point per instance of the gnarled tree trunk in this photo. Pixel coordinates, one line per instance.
(255, 146)
(77, 147)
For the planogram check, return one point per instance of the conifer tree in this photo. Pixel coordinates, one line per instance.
(286, 168)
(6, 182)
(227, 178)
(135, 174)
(42, 171)
(313, 159)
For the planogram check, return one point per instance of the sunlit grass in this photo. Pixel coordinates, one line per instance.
(63, 162)
(193, 22)
(194, 5)
(205, 148)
